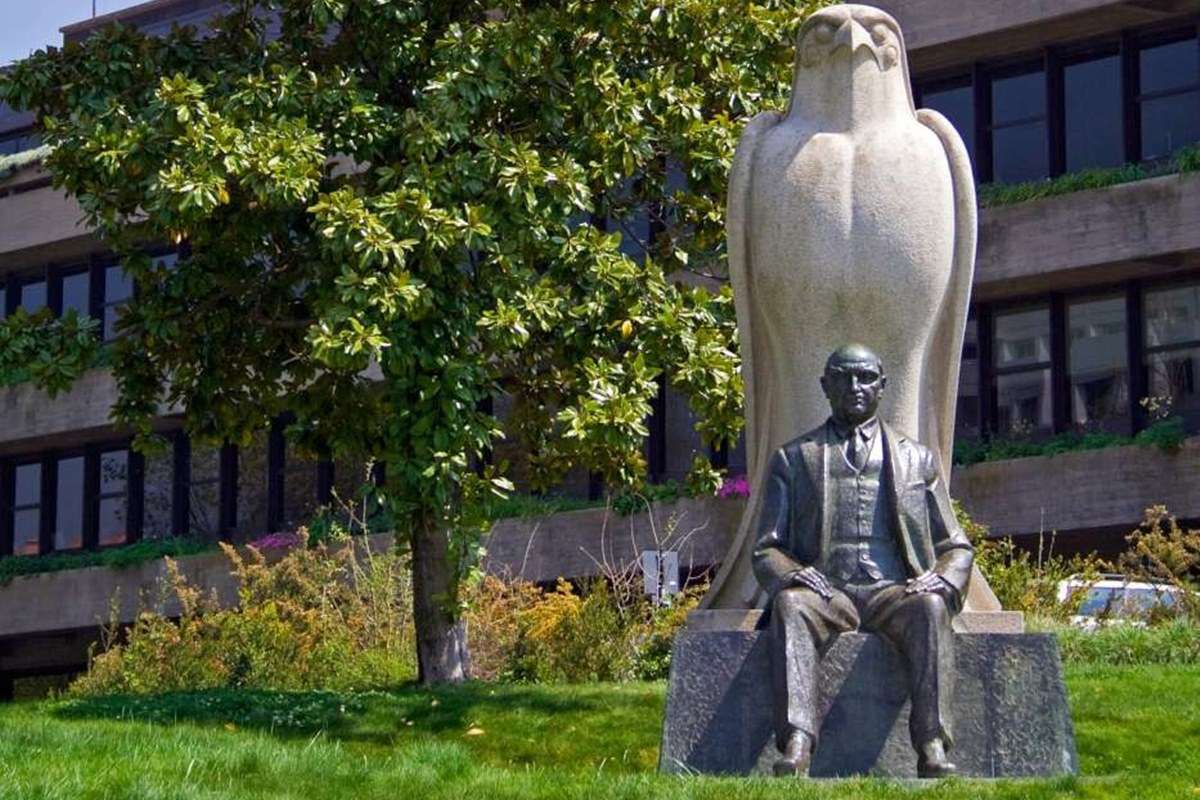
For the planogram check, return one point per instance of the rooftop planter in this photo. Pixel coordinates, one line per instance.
(81, 595)
(1081, 490)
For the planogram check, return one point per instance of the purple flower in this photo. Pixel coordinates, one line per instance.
(277, 541)
(734, 486)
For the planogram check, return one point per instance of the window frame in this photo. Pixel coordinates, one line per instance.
(100, 301)
(97, 497)
(13, 507)
(990, 388)
(1063, 59)
(1133, 290)
(1191, 418)
(1121, 293)
(56, 457)
(1148, 40)
(984, 111)
(56, 277)
(1126, 44)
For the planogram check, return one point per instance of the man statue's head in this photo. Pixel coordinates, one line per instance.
(853, 382)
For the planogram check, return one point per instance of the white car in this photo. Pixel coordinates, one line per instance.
(1116, 597)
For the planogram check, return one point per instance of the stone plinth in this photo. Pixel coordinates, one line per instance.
(1011, 716)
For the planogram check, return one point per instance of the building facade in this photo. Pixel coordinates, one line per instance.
(1085, 314)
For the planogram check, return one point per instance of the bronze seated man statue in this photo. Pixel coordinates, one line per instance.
(857, 533)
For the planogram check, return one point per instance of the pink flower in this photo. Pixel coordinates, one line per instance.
(277, 541)
(734, 486)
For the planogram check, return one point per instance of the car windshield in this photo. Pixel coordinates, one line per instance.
(1124, 601)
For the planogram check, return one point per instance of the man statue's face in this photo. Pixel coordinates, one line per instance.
(854, 389)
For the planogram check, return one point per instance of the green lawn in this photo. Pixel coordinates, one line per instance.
(1138, 732)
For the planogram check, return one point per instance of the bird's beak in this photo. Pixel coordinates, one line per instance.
(853, 36)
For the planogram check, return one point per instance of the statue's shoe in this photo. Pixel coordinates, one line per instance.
(935, 769)
(932, 761)
(796, 757)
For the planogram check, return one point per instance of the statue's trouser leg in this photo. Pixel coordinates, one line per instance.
(919, 626)
(803, 624)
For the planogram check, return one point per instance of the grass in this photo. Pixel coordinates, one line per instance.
(1137, 728)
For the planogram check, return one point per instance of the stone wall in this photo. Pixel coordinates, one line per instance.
(1089, 237)
(1089, 490)
(944, 33)
(47, 621)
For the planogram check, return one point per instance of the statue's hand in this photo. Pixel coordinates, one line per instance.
(811, 578)
(928, 582)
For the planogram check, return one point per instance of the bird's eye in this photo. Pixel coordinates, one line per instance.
(879, 33)
(823, 33)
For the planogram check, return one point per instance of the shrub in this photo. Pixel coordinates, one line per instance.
(493, 615)
(1162, 551)
(1024, 581)
(607, 632)
(573, 638)
(317, 618)
(1176, 642)
(653, 661)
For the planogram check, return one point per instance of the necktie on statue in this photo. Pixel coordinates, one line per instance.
(856, 449)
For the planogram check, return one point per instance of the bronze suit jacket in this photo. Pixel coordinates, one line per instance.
(794, 526)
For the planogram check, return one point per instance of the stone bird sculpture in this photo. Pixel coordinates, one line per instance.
(851, 218)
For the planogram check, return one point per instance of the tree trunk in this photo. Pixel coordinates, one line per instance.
(441, 637)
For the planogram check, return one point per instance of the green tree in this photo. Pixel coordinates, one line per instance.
(393, 210)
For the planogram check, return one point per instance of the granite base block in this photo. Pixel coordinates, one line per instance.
(1011, 715)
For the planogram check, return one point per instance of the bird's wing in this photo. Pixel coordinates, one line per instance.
(736, 577)
(945, 351)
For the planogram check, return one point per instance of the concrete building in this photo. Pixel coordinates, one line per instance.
(1085, 303)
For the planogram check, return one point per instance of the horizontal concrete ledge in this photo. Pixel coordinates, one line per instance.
(571, 545)
(599, 541)
(38, 218)
(942, 34)
(1092, 489)
(1089, 237)
(34, 419)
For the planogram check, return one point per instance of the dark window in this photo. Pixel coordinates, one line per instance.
(967, 416)
(351, 501)
(75, 293)
(254, 480)
(956, 103)
(299, 489)
(33, 296)
(1169, 97)
(1093, 118)
(1170, 67)
(112, 510)
(1172, 341)
(204, 492)
(118, 288)
(19, 142)
(635, 233)
(1019, 146)
(1098, 363)
(68, 515)
(1024, 403)
(27, 509)
(158, 494)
